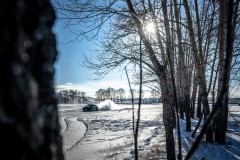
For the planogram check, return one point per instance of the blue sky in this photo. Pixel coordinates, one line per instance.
(69, 72)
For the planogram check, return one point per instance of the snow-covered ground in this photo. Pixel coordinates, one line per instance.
(107, 133)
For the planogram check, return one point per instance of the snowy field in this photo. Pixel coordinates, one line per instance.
(107, 134)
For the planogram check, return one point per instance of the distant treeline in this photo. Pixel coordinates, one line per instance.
(71, 96)
(119, 95)
(116, 95)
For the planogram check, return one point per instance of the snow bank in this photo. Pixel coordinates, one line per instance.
(107, 105)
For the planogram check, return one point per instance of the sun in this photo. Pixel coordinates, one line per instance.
(149, 28)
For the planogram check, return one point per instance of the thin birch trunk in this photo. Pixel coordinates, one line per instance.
(184, 98)
(199, 104)
(199, 62)
(194, 93)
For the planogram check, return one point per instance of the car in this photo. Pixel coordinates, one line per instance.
(90, 107)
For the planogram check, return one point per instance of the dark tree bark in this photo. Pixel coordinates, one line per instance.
(199, 104)
(28, 106)
(194, 93)
(167, 118)
(221, 116)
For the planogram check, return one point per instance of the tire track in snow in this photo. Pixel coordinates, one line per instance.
(63, 125)
(74, 133)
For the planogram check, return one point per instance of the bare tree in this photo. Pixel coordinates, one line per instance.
(232, 9)
(155, 95)
(101, 94)
(121, 92)
(184, 91)
(227, 27)
(200, 65)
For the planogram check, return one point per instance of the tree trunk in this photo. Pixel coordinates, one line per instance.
(167, 118)
(218, 119)
(225, 66)
(199, 104)
(184, 99)
(193, 98)
(170, 73)
(29, 116)
(200, 65)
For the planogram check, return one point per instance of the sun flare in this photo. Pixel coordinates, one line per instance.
(150, 29)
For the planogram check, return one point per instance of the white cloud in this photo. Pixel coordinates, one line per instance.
(68, 83)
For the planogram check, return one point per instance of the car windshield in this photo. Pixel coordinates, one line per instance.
(89, 105)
